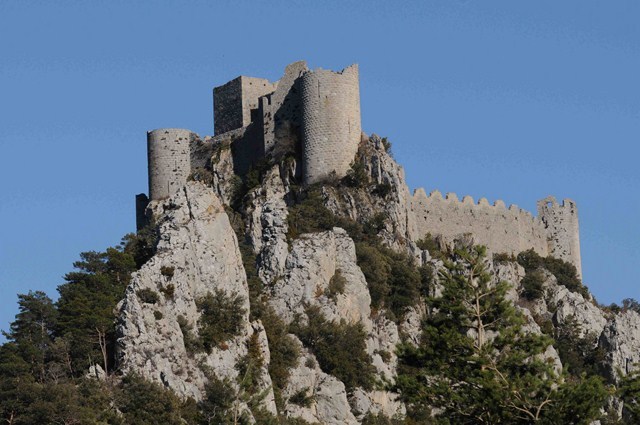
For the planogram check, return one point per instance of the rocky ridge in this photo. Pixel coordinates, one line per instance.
(200, 248)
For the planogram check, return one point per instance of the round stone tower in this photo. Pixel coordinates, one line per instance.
(169, 159)
(330, 122)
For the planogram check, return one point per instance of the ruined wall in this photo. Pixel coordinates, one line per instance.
(281, 110)
(500, 229)
(227, 107)
(252, 90)
(168, 155)
(563, 230)
(331, 127)
(234, 101)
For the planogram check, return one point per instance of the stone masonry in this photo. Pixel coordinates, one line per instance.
(169, 156)
(316, 115)
(502, 230)
(317, 112)
(331, 122)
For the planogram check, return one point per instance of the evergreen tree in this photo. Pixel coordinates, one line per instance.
(87, 302)
(32, 331)
(629, 392)
(476, 364)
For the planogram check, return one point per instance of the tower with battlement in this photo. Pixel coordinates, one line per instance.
(315, 115)
(314, 112)
(562, 228)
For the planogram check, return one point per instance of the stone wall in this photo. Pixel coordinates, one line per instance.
(168, 152)
(331, 127)
(227, 107)
(252, 90)
(281, 110)
(500, 229)
(234, 101)
(563, 230)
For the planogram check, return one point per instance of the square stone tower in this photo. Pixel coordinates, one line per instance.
(233, 102)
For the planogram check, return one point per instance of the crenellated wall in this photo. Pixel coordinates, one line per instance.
(501, 229)
(331, 128)
(563, 229)
(316, 116)
(169, 160)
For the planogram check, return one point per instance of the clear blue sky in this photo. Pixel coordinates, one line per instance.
(502, 99)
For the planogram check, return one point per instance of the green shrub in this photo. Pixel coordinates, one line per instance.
(142, 245)
(381, 419)
(217, 406)
(427, 277)
(429, 244)
(357, 175)
(168, 291)
(302, 398)
(566, 273)
(167, 271)
(220, 320)
(142, 402)
(387, 145)
(339, 347)
(309, 215)
(148, 296)
(382, 190)
(384, 355)
(191, 343)
(250, 366)
(336, 285)
(376, 269)
(503, 257)
(284, 352)
(631, 304)
(579, 354)
(532, 285)
(393, 280)
(158, 315)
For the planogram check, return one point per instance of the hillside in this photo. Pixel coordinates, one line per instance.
(257, 299)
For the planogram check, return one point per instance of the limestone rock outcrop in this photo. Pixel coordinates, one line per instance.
(196, 255)
(199, 253)
(313, 261)
(386, 177)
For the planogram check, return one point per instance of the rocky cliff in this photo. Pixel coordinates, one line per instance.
(300, 276)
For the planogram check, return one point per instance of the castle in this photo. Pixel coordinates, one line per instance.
(316, 113)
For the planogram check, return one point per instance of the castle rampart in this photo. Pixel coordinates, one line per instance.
(563, 230)
(315, 115)
(169, 159)
(331, 127)
(511, 230)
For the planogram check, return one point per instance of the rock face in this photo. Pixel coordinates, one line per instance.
(197, 254)
(313, 261)
(267, 227)
(387, 177)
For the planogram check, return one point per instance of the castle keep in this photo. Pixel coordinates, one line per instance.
(316, 114)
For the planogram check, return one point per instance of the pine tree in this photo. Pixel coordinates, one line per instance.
(87, 302)
(32, 331)
(629, 392)
(475, 362)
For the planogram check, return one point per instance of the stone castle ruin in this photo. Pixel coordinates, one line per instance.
(316, 113)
